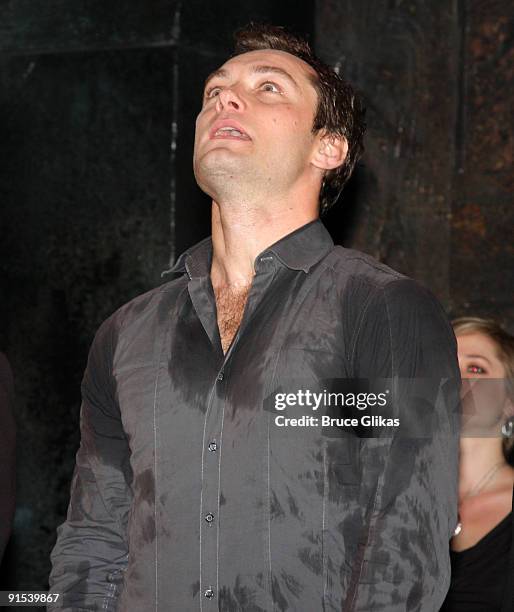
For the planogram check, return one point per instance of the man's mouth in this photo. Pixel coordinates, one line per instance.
(227, 130)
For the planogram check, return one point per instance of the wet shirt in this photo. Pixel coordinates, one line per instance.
(187, 495)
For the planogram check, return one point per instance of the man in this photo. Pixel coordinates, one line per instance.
(188, 494)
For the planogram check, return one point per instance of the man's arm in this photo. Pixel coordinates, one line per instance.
(91, 552)
(409, 475)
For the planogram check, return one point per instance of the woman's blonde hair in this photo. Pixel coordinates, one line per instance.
(505, 352)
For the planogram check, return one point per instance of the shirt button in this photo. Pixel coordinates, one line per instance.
(209, 517)
(220, 376)
(212, 446)
(209, 593)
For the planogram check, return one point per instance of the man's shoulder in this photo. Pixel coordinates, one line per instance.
(393, 314)
(360, 267)
(363, 279)
(146, 308)
(153, 308)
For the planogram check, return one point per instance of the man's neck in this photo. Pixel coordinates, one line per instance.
(238, 236)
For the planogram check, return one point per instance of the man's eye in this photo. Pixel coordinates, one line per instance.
(269, 86)
(475, 369)
(212, 92)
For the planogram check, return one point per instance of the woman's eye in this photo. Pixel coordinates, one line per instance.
(475, 369)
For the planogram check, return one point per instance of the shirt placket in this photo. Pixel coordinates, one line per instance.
(210, 495)
(212, 452)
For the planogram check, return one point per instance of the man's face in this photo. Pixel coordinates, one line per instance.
(255, 126)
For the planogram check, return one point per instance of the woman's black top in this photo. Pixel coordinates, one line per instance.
(479, 573)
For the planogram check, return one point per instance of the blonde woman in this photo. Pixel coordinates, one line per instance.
(480, 548)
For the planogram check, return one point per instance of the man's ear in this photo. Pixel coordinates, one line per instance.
(330, 151)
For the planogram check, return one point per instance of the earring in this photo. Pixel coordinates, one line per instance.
(508, 428)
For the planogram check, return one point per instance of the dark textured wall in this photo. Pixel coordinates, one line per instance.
(97, 196)
(86, 218)
(433, 197)
(482, 222)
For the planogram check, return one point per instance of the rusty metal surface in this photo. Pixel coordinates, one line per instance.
(433, 197)
(482, 245)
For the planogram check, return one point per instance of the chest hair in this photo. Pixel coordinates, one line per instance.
(230, 305)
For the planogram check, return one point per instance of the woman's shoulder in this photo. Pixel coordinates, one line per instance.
(480, 514)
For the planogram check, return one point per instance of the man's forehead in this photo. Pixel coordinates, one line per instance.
(272, 57)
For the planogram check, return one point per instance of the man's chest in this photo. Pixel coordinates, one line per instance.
(230, 305)
(282, 336)
(180, 398)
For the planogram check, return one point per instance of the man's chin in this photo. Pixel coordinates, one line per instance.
(220, 165)
(220, 153)
(223, 181)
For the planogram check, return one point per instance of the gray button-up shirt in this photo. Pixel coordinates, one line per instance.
(187, 494)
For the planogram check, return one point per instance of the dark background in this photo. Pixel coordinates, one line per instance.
(98, 101)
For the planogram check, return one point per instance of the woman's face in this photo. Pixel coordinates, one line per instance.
(485, 405)
(478, 356)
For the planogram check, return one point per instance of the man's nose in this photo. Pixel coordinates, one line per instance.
(228, 99)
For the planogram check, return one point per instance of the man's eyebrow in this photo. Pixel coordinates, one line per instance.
(275, 70)
(258, 69)
(221, 72)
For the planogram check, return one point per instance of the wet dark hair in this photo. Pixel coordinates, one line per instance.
(340, 110)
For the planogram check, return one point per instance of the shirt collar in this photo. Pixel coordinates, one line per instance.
(303, 248)
(299, 250)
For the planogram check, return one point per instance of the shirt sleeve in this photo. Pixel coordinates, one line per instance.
(91, 551)
(408, 473)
